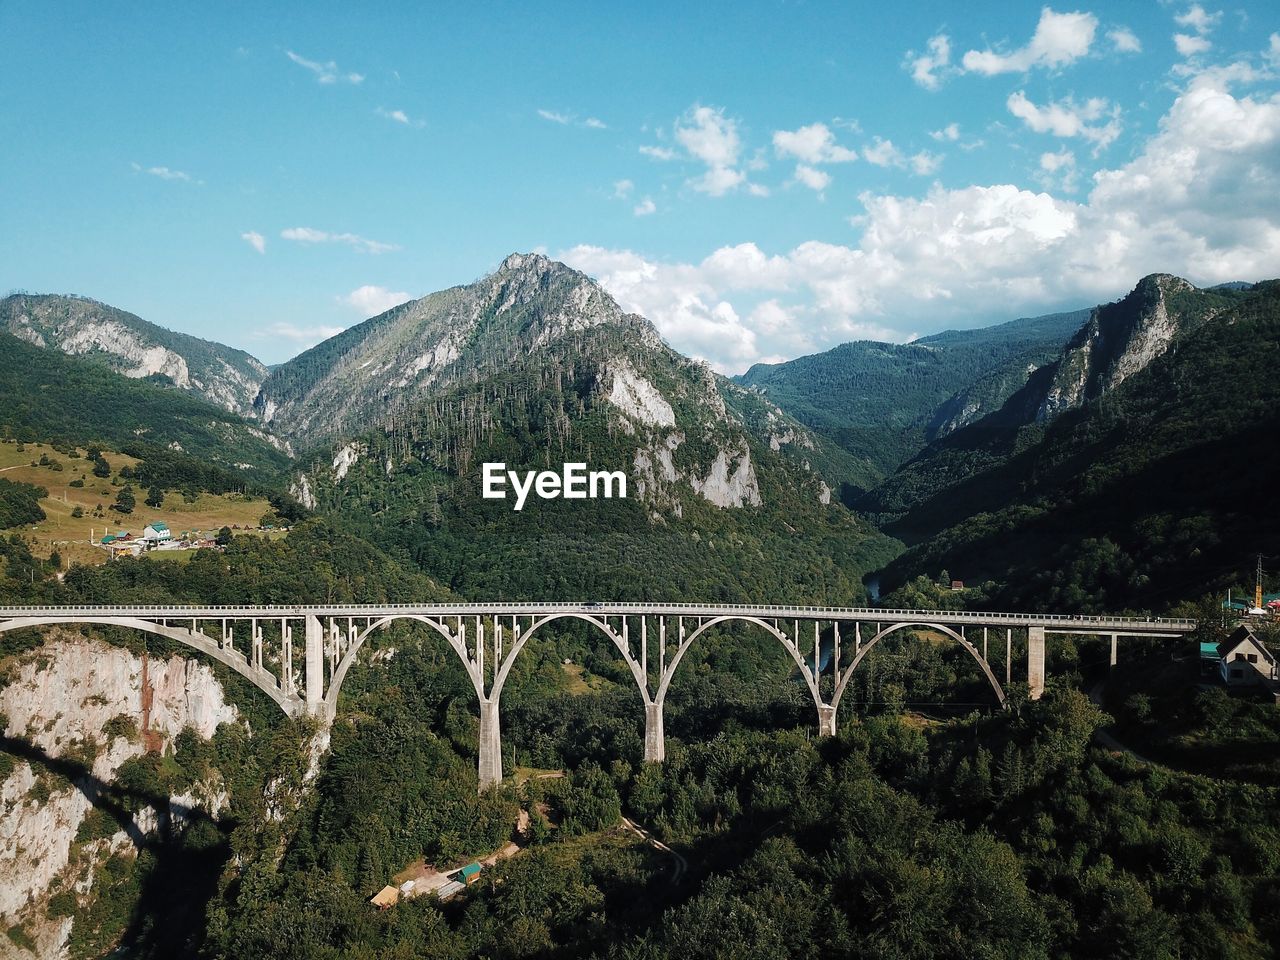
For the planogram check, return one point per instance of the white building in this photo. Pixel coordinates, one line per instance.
(1246, 662)
(157, 533)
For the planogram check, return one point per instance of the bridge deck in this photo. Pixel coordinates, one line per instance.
(1053, 622)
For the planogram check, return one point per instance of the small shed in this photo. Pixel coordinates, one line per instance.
(445, 891)
(470, 873)
(385, 898)
(1210, 661)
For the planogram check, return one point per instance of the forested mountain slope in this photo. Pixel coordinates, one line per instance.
(536, 366)
(46, 395)
(131, 346)
(1130, 472)
(882, 402)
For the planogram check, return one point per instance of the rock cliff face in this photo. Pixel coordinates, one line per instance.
(85, 703)
(1119, 340)
(131, 346)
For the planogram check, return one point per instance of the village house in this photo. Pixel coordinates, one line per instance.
(157, 533)
(1244, 661)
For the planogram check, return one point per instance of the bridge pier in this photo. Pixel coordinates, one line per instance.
(826, 720)
(1035, 661)
(655, 744)
(315, 667)
(490, 767)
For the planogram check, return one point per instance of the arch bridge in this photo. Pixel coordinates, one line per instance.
(305, 678)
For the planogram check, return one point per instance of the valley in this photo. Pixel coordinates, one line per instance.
(163, 801)
(752, 481)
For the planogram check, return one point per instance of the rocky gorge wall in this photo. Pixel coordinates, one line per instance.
(93, 707)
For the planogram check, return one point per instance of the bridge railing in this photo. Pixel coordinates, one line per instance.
(266, 611)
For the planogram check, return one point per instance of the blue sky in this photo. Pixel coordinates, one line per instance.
(761, 179)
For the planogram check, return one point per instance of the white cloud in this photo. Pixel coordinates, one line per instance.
(1060, 39)
(813, 144)
(1124, 40)
(883, 154)
(255, 240)
(369, 300)
(165, 173)
(304, 337)
(757, 190)
(326, 72)
(708, 135)
(812, 177)
(950, 133)
(658, 153)
(622, 189)
(644, 207)
(1066, 118)
(1189, 45)
(1057, 161)
(1201, 198)
(564, 119)
(1273, 52)
(1198, 19)
(1058, 170)
(928, 69)
(310, 235)
(711, 138)
(398, 116)
(924, 163)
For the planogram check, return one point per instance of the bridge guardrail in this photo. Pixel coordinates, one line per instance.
(186, 611)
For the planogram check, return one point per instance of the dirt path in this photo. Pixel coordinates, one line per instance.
(679, 863)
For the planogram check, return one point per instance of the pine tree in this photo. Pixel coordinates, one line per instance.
(125, 500)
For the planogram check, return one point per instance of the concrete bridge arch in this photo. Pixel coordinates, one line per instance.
(335, 633)
(252, 670)
(869, 645)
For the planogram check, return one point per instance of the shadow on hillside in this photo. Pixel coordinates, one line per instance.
(177, 868)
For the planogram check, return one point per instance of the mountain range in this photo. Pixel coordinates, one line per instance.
(127, 344)
(1006, 453)
(883, 402)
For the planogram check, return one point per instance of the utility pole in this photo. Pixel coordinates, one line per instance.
(1257, 590)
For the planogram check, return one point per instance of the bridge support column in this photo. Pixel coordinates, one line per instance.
(490, 745)
(1035, 661)
(826, 720)
(315, 667)
(655, 743)
(1114, 638)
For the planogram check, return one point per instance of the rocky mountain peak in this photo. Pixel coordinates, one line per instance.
(530, 309)
(1119, 340)
(133, 347)
(529, 262)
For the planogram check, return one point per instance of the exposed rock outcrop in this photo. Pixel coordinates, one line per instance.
(84, 701)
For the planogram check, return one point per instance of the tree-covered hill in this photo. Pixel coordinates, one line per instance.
(534, 367)
(126, 343)
(46, 395)
(1148, 490)
(882, 402)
